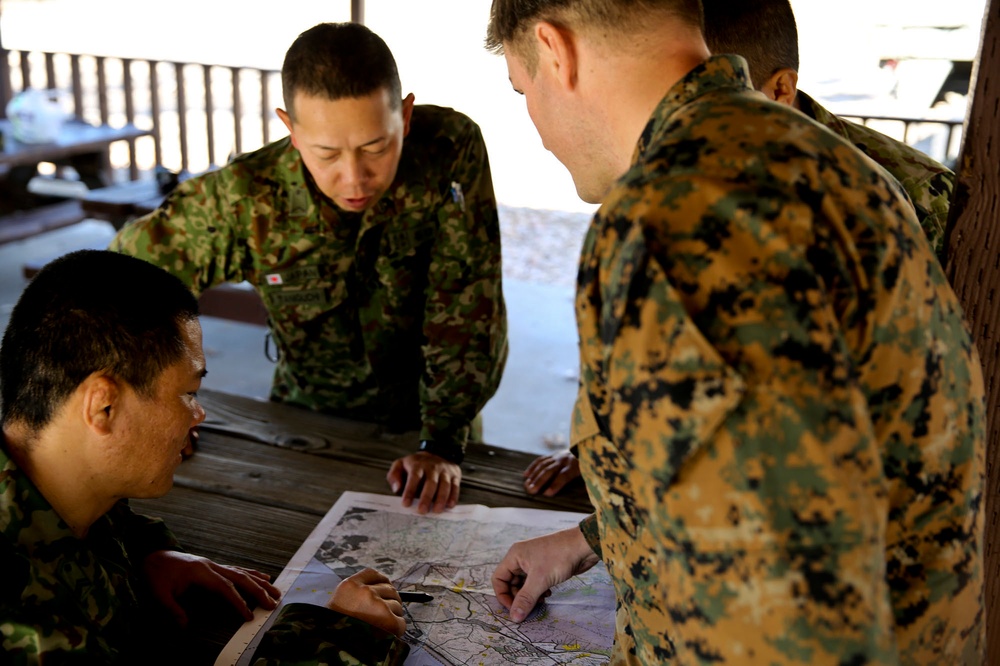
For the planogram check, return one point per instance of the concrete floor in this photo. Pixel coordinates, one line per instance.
(530, 412)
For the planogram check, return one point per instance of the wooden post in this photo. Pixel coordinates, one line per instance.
(974, 269)
(358, 11)
(5, 90)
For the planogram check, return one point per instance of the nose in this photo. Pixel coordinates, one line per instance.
(198, 415)
(354, 173)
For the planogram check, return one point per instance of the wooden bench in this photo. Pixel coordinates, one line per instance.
(27, 223)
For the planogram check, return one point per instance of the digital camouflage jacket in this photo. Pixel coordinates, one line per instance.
(928, 183)
(65, 600)
(781, 421)
(395, 315)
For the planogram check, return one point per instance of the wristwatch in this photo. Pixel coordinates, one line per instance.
(451, 452)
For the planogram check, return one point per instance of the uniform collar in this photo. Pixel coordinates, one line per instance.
(718, 73)
(817, 112)
(26, 517)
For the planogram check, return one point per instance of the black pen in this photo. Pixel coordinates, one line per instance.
(420, 597)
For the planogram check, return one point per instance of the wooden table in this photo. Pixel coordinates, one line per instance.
(76, 138)
(79, 145)
(264, 474)
(120, 203)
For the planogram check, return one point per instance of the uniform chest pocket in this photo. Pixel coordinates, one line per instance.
(302, 294)
(403, 261)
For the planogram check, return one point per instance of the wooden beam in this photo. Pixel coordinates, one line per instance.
(974, 269)
(358, 11)
(5, 89)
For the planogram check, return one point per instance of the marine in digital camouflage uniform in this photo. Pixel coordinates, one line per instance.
(781, 422)
(764, 32)
(790, 438)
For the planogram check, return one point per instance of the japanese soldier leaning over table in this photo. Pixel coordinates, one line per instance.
(371, 234)
(781, 422)
(99, 392)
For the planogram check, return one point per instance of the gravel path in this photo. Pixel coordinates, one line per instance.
(541, 245)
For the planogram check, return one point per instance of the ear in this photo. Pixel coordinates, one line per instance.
(782, 87)
(101, 401)
(407, 113)
(557, 50)
(287, 119)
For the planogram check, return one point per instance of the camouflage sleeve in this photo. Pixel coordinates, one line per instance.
(29, 637)
(746, 510)
(932, 200)
(195, 234)
(310, 635)
(465, 321)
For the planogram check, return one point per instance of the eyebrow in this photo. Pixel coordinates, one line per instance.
(364, 145)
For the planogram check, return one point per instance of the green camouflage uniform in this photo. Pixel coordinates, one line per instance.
(782, 417)
(65, 600)
(928, 183)
(62, 597)
(394, 315)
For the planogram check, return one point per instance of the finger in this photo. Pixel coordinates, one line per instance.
(524, 602)
(389, 593)
(538, 480)
(400, 624)
(559, 482)
(221, 584)
(505, 584)
(369, 576)
(257, 580)
(174, 609)
(456, 488)
(413, 481)
(535, 465)
(428, 493)
(395, 475)
(447, 492)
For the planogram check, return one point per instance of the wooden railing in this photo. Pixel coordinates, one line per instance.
(943, 136)
(201, 114)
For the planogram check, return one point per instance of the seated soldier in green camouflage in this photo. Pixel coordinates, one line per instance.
(99, 389)
(764, 33)
(378, 259)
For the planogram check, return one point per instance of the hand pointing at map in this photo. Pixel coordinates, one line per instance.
(531, 567)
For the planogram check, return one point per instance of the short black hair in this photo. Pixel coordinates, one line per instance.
(337, 61)
(89, 311)
(762, 31)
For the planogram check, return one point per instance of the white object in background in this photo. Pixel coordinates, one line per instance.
(36, 116)
(57, 187)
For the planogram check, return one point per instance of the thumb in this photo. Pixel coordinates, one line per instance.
(175, 609)
(395, 476)
(524, 602)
